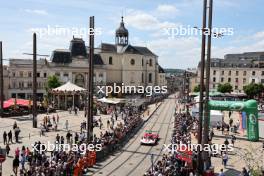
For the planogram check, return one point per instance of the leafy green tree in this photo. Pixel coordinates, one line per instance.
(225, 88)
(53, 82)
(196, 88)
(252, 90)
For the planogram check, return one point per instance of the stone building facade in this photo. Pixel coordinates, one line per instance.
(237, 69)
(113, 63)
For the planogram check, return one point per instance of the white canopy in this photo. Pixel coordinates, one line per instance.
(69, 87)
(111, 100)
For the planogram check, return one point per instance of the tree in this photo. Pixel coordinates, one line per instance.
(253, 89)
(225, 88)
(53, 82)
(197, 88)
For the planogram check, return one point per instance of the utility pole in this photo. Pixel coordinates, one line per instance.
(1, 81)
(90, 83)
(187, 91)
(34, 108)
(207, 84)
(200, 125)
(34, 86)
(184, 89)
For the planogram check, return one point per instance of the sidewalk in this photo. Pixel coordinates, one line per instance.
(235, 162)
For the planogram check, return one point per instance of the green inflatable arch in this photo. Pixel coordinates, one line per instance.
(251, 109)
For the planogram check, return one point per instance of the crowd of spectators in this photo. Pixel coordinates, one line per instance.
(172, 163)
(37, 162)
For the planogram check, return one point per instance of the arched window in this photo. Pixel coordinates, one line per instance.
(132, 61)
(79, 80)
(142, 77)
(142, 62)
(150, 78)
(150, 62)
(132, 80)
(110, 60)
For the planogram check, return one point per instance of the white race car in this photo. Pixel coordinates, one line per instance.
(149, 138)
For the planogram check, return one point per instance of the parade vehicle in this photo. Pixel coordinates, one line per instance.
(149, 138)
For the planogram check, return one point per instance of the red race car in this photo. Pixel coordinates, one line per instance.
(149, 138)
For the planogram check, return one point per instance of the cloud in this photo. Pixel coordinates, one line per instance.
(180, 52)
(36, 11)
(166, 8)
(251, 43)
(146, 21)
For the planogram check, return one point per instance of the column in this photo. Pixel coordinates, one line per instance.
(65, 102)
(73, 96)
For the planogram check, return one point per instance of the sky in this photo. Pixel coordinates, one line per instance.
(155, 24)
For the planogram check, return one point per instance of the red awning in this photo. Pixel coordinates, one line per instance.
(13, 101)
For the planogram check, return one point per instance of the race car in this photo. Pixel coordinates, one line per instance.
(149, 138)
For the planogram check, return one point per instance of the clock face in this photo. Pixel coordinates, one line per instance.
(252, 118)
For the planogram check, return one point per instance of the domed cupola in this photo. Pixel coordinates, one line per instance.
(77, 47)
(122, 34)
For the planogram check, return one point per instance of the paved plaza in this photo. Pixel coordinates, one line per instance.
(237, 159)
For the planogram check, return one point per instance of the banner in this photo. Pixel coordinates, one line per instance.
(244, 120)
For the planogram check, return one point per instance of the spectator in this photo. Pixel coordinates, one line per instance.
(230, 122)
(17, 152)
(7, 149)
(15, 165)
(5, 137)
(233, 139)
(68, 137)
(15, 125)
(244, 172)
(58, 118)
(10, 136)
(225, 159)
(221, 173)
(67, 125)
(23, 161)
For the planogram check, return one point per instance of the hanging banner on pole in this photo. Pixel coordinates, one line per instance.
(244, 120)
